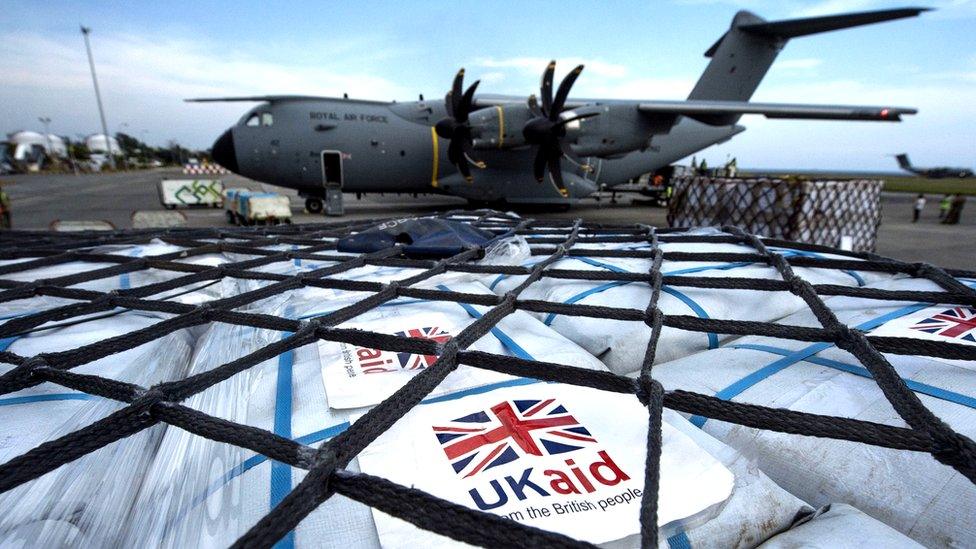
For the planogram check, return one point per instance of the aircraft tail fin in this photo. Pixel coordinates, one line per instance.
(743, 55)
(903, 162)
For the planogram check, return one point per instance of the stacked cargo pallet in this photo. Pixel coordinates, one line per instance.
(828, 212)
(561, 384)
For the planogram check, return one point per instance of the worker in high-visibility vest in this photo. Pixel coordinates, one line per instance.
(944, 206)
(4, 210)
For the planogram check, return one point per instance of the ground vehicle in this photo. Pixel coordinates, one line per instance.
(245, 207)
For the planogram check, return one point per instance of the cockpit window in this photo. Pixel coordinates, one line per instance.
(267, 119)
(252, 121)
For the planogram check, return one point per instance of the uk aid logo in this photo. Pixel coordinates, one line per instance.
(955, 323)
(558, 455)
(376, 361)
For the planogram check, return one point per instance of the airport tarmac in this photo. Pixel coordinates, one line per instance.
(40, 199)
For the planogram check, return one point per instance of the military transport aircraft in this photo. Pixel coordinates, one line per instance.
(932, 173)
(491, 148)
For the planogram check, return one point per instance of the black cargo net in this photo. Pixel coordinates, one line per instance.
(553, 240)
(814, 211)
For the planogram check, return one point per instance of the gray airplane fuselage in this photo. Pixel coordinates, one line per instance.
(514, 150)
(392, 148)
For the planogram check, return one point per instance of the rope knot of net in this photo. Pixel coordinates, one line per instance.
(844, 336)
(149, 398)
(25, 373)
(649, 390)
(106, 300)
(956, 451)
(31, 288)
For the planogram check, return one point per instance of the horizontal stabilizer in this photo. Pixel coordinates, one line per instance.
(717, 112)
(792, 28)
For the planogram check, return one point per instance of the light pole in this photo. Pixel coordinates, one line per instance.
(125, 162)
(85, 31)
(143, 146)
(46, 120)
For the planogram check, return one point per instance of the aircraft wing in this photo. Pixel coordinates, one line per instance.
(719, 111)
(279, 98)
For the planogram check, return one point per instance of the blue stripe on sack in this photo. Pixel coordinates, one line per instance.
(694, 306)
(124, 282)
(280, 472)
(679, 541)
(251, 463)
(297, 261)
(853, 274)
(45, 398)
(484, 389)
(712, 337)
(918, 387)
(583, 295)
(501, 277)
(596, 263)
(394, 303)
(501, 336)
(604, 287)
(6, 342)
(748, 381)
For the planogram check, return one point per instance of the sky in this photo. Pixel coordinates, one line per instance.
(151, 55)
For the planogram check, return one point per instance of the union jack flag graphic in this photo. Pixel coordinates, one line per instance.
(508, 431)
(956, 323)
(410, 361)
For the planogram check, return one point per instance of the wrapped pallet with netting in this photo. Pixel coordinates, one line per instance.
(481, 378)
(829, 212)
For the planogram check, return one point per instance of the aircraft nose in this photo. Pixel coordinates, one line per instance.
(224, 153)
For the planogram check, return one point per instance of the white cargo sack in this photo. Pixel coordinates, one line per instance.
(838, 526)
(909, 491)
(358, 376)
(559, 458)
(203, 493)
(84, 502)
(196, 485)
(621, 344)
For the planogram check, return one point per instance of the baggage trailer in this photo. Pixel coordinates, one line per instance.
(246, 207)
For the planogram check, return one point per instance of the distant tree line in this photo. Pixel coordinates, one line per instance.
(139, 152)
(172, 153)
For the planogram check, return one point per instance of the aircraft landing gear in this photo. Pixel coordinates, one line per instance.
(313, 205)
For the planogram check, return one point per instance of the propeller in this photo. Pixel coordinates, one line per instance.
(547, 128)
(456, 129)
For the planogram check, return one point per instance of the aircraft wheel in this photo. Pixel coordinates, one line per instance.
(313, 205)
(230, 217)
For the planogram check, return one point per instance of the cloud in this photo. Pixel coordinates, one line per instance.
(144, 80)
(492, 77)
(520, 76)
(535, 65)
